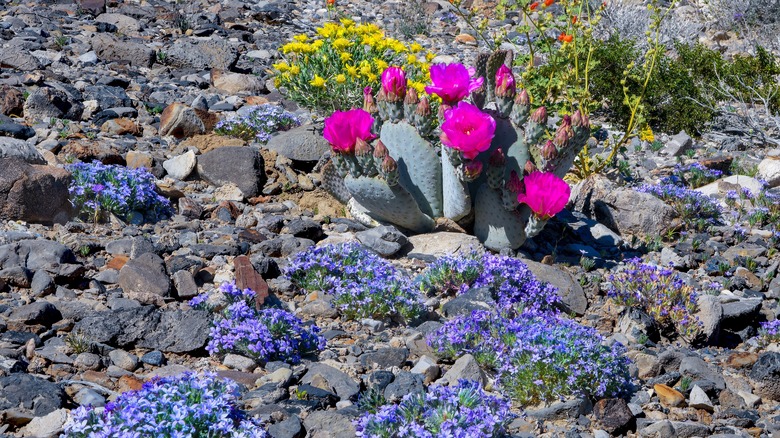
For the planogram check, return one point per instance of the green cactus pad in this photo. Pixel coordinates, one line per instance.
(333, 183)
(512, 142)
(419, 165)
(495, 227)
(457, 202)
(389, 204)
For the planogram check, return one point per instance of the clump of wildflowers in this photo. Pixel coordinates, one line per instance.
(696, 209)
(692, 175)
(660, 292)
(99, 189)
(536, 356)
(769, 332)
(363, 284)
(462, 410)
(258, 123)
(187, 405)
(330, 71)
(264, 335)
(512, 283)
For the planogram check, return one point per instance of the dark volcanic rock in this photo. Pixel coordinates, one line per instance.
(144, 279)
(242, 166)
(30, 394)
(766, 374)
(33, 193)
(614, 415)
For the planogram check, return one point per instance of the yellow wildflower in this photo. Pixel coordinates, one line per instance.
(317, 81)
(317, 44)
(302, 38)
(371, 77)
(341, 43)
(328, 30)
(341, 78)
(365, 68)
(351, 70)
(415, 47)
(346, 22)
(281, 66)
(291, 47)
(411, 59)
(346, 56)
(369, 40)
(381, 65)
(429, 56)
(419, 86)
(646, 134)
(294, 70)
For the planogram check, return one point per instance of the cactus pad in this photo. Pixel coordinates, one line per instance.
(389, 204)
(493, 225)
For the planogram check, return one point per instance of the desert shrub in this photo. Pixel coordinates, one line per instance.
(257, 123)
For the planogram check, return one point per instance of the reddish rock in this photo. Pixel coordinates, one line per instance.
(34, 193)
(11, 101)
(248, 278)
(94, 7)
(181, 121)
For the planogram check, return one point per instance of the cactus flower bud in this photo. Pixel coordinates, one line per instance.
(549, 151)
(523, 99)
(394, 84)
(539, 116)
(514, 184)
(381, 97)
(389, 165)
(497, 158)
(380, 150)
(424, 107)
(529, 167)
(411, 97)
(362, 148)
(562, 136)
(472, 169)
(505, 82)
(369, 105)
(576, 118)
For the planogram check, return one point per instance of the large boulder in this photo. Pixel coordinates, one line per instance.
(242, 166)
(202, 55)
(46, 103)
(16, 148)
(624, 210)
(34, 193)
(573, 299)
(769, 168)
(109, 48)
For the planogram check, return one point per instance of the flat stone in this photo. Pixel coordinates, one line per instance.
(304, 143)
(572, 295)
(47, 426)
(345, 387)
(466, 367)
(613, 415)
(16, 148)
(385, 358)
(678, 144)
(433, 245)
(242, 166)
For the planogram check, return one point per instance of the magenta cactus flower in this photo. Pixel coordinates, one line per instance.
(545, 193)
(452, 82)
(344, 128)
(467, 129)
(394, 84)
(505, 82)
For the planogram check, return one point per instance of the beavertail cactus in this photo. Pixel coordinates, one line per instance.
(493, 163)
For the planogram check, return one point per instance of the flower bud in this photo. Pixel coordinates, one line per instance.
(523, 99)
(362, 148)
(505, 82)
(563, 135)
(380, 151)
(394, 84)
(539, 116)
(472, 169)
(381, 96)
(549, 151)
(424, 107)
(514, 184)
(529, 167)
(497, 158)
(576, 118)
(411, 97)
(369, 105)
(389, 165)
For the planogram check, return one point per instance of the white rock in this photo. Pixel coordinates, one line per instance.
(700, 400)
(48, 426)
(180, 166)
(745, 182)
(769, 170)
(238, 362)
(229, 192)
(751, 400)
(428, 368)
(88, 58)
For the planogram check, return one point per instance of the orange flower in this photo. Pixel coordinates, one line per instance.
(574, 20)
(548, 3)
(330, 2)
(534, 5)
(565, 38)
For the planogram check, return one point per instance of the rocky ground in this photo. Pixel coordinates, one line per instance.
(90, 80)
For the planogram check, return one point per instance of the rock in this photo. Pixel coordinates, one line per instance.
(181, 121)
(741, 311)
(240, 363)
(623, 210)
(697, 369)
(328, 424)
(248, 278)
(108, 97)
(10, 128)
(678, 144)
(648, 365)
(613, 415)
(89, 397)
(710, 314)
(734, 182)
(39, 312)
(242, 166)
(235, 83)
(466, 367)
(229, 192)
(687, 429)
(123, 359)
(122, 126)
(304, 143)
(124, 24)
(45, 103)
(18, 60)
(144, 279)
(154, 358)
(30, 395)
(660, 429)
(572, 296)
(345, 387)
(34, 193)
(47, 426)
(404, 383)
(742, 359)
(290, 427)
(180, 166)
(109, 48)
(469, 301)
(385, 358)
(178, 332)
(217, 54)
(11, 101)
(42, 284)
(385, 240)
(700, 400)
(669, 397)
(87, 361)
(769, 171)
(568, 409)
(765, 374)
(185, 284)
(16, 148)
(53, 257)
(438, 244)
(428, 368)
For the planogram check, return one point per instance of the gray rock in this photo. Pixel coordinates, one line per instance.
(697, 369)
(304, 228)
(88, 361)
(39, 312)
(569, 290)
(385, 358)
(469, 301)
(15, 148)
(329, 424)
(202, 55)
(123, 359)
(613, 415)
(700, 400)
(769, 170)
(561, 410)
(47, 426)
(427, 367)
(686, 429)
(179, 331)
(238, 362)
(30, 394)
(659, 429)
(385, 240)
(32, 193)
(123, 23)
(109, 48)
(180, 166)
(42, 284)
(442, 243)
(89, 397)
(12, 129)
(154, 358)
(404, 383)
(141, 245)
(107, 97)
(466, 367)
(678, 144)
(345, 387)
(741, 310)
(144, 279)
(766, 375)
(185, 284)
(304, 143)
(710, 314)
(290, 427)
(44, 103)
(53, 257)
(242, 166)
(18, 59)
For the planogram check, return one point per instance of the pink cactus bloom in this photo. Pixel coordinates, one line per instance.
(545, 193)
(467, 129)
(505, 82)
(452, 82)
(394, 83)
(343, 128)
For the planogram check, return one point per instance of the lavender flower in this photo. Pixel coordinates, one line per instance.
(695, 208)
(98, 188)
(769, 332)
(258, 123)
(460, 411)
(693, 175)
(182, 406)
